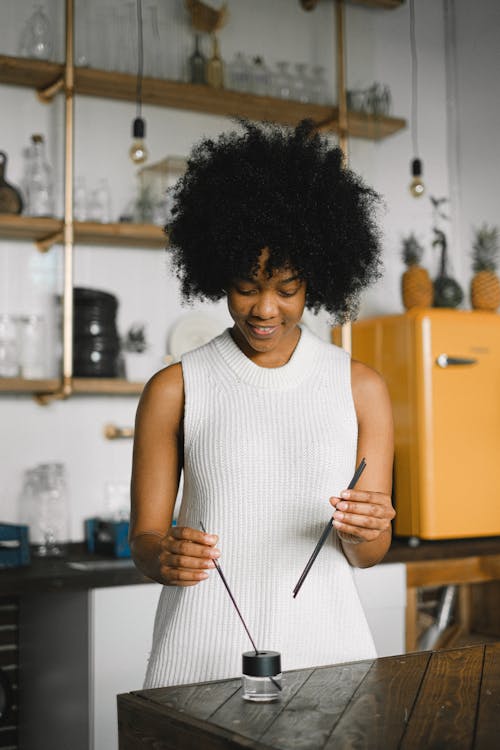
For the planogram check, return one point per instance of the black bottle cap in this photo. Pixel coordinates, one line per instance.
(262, 664)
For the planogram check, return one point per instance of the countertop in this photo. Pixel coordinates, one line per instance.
(444, 699)
(81, 570)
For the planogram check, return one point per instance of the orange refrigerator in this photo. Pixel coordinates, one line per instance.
(442, 368)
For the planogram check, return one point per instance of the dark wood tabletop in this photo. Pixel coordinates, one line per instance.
(442, 700)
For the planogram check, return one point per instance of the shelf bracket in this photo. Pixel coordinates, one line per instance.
(49, 92)
(45, 243)
(63, 392)
(114, 432)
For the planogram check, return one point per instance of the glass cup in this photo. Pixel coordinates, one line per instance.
(32, 354)
(9, 348)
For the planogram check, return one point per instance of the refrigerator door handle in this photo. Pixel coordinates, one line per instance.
(443, 360)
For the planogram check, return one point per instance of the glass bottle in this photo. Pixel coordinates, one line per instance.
(197, 63)
(261, 676)
(215, 66)
(282, 82)
(36, 37)
(319, 86)
(300, 86)
(238, 73)
(260, 77)
(39, 187)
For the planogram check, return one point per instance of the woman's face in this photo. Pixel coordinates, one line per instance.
(266, 311)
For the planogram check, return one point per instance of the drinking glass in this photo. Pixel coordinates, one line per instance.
(9, 351)
(318, 86)
(282, 80)
(36, 39)
(300, 85)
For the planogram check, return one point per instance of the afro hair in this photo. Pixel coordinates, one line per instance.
(282, 189)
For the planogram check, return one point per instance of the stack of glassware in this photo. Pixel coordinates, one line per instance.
(44, 508)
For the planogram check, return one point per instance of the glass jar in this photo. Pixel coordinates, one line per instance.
(44, 508)
(32, 357)
(261, 678)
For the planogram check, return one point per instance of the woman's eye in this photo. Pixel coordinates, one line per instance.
(288, 294)
(244, 291)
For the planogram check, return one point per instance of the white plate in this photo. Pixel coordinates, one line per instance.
(191, 331)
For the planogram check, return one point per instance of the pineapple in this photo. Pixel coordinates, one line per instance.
(485, 285)
(416, 283)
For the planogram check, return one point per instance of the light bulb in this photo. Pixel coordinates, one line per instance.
(416, 187)
(138, 151)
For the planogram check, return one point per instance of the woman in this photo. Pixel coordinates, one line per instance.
(266, 422)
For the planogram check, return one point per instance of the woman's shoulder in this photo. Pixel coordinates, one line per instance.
(163, 394)
(368, 386)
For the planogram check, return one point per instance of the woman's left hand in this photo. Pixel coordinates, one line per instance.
(362, 516)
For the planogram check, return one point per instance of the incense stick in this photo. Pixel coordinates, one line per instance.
(223, 578)
(326, 532)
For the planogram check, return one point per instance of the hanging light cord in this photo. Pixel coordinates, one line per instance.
(414, 81)
(140, 58)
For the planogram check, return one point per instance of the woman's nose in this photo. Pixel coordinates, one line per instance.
(265, 305)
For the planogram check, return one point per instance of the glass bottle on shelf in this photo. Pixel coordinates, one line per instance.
(197, 63)
(239, 73)
(36, 37)
(300, 85)
(39, 185)
(215, 66)
(318, 86)
(282, 81)
(259, 77)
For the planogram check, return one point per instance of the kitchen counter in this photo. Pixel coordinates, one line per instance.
(446, 699)
(78, 570)
(81, 570)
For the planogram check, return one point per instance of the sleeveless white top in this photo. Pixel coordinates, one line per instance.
(265, 448)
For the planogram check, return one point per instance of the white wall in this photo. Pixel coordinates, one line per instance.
(378, 49)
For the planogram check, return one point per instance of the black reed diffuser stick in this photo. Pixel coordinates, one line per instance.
(223, 578)
(219, 571)
(326, 532)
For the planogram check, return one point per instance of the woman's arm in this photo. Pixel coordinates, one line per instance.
(363, 515)
(169, 555)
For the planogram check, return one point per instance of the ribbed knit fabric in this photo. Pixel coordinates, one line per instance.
(265, 448)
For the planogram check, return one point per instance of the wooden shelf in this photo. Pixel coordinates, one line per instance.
(20, 385)
(107, 386)
(22, 71)
(15, 227)
(194, 98)
(385, 4)
(91, 386)
(123, 234)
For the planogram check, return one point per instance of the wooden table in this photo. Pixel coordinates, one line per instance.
(442, 700)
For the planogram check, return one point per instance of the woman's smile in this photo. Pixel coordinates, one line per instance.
(266, 309)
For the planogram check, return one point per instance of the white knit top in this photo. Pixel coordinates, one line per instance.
(265, 448)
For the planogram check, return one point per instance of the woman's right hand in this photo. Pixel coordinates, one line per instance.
(186, 556)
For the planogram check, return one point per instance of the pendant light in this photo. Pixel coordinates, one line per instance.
(416, 187)
(138, 151)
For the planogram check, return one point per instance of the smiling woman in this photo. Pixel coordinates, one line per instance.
(266, 421)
